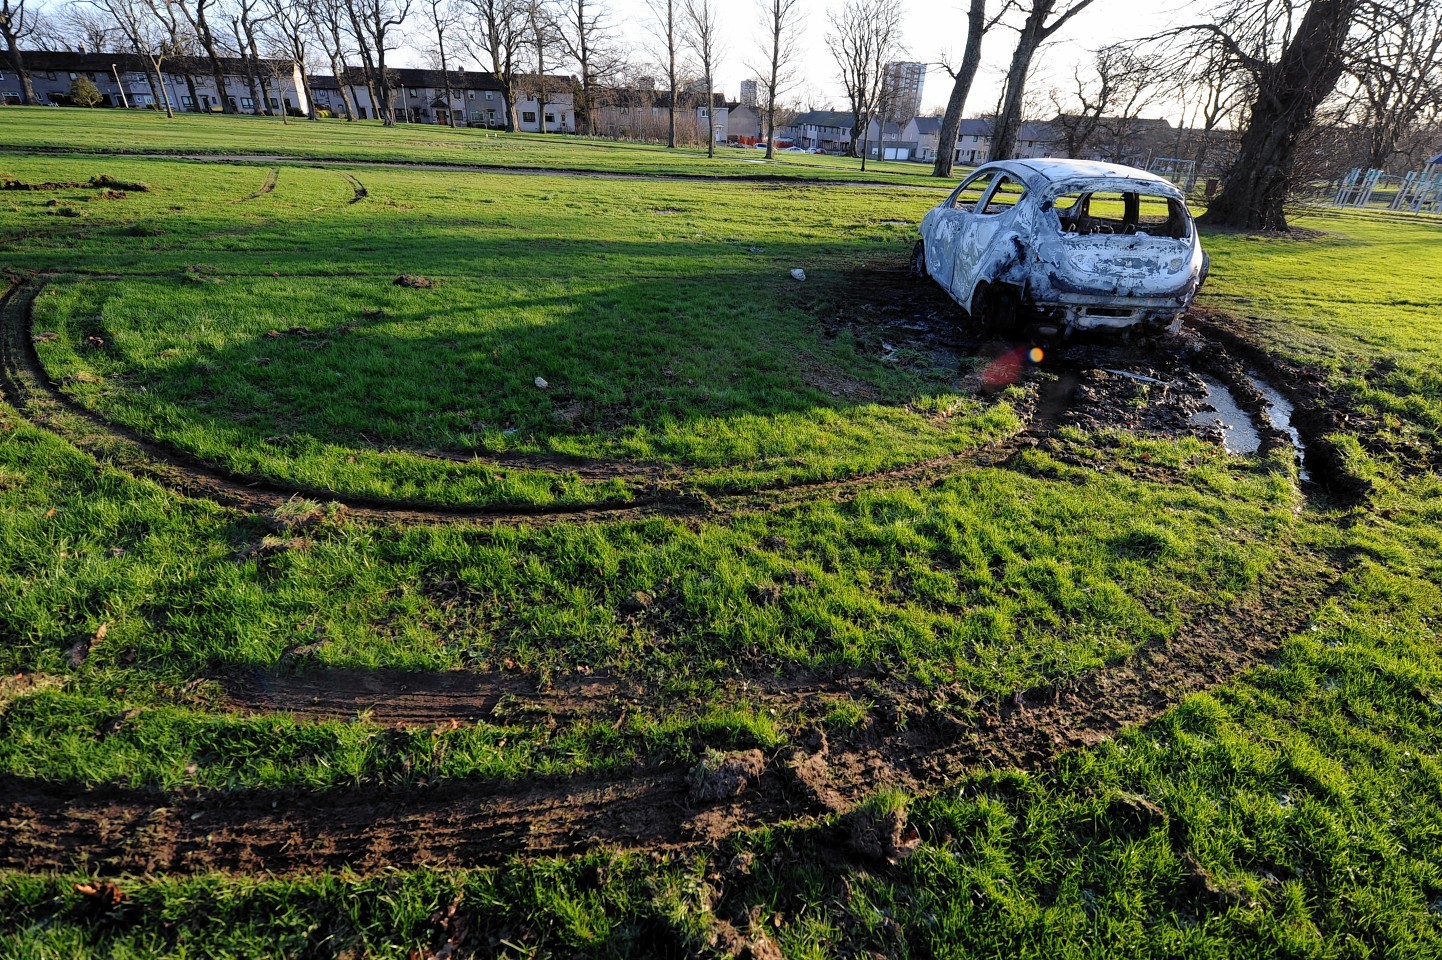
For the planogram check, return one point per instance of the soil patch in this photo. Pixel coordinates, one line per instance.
(54, 826)
(402, 698)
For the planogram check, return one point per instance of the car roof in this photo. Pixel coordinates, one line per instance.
(1052, 170)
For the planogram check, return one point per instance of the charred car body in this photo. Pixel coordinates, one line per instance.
(1066, 245)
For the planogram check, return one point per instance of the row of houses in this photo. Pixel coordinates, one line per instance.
(544, 104)
(186, 83)
(1132, 141)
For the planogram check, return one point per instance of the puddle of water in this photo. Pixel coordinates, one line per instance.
(1279, 414)
(1239, 434)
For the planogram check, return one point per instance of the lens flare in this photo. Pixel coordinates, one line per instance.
(1036, 355)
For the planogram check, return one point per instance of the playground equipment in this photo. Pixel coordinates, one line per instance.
(1418, 192)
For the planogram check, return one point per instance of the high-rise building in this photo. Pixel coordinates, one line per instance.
(748, 92)
(901, 87)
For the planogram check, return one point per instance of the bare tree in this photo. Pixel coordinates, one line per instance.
(1211, 90)
(88, 28)
(196, 14)
(977, 27)
(781, 39)
(668, 29)
(865, 35)
(1039, 27)
(1295, 52)
(377, 23)
(702, 33)
(142, 33)
(246, 18)
(586, 36)
(291, 29)
(1110, 102)
(16, 24)
(177, 42)
(328, 19)
(543, 34)
(1399, 71)
(496, 38)
(442, 19)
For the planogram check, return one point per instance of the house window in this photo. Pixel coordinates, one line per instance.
(49, 74)
(361, 111)
(187, 103)
(491, 114)
(490, 95)
(74, 75)
(528, 116)
(245, 103)
(275, 104)
(232, 102)
(415, 92)
(550, 118)
(138, 77)
(470, 94)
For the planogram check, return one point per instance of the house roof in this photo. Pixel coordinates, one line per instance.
(1031, 130)
(71, 60)
(926, 126)
(1436, 159)
(823, 118)
(414, 77)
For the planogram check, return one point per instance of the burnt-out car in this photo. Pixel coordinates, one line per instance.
(1064, 245)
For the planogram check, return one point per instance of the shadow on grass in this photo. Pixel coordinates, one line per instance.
(718, 364)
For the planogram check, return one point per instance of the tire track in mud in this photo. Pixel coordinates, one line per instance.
(462, 823)
(357, 188)
(271, 176)
(110, 829)
(25, 383)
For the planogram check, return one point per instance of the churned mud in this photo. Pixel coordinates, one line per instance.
(109, 829)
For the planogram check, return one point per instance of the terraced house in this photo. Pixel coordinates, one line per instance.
(465, 97)
(187, 83)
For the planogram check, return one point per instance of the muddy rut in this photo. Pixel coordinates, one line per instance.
(111, 829)
(660, 491)
(907, 744)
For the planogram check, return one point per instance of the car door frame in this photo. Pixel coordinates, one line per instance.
(972, 260)
(945, 234)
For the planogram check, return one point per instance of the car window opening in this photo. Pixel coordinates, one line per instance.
(969, 194)
(1128, 213)
(1007, 194)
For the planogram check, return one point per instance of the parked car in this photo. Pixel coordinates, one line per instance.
(1064, 245)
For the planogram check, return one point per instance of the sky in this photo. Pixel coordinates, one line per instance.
(934, 29)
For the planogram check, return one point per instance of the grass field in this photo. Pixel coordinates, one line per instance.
(109, 131)
(1081, 694)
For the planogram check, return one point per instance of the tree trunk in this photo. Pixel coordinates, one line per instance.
(155, 65)
(671, 73)
(1007, 127)
(305, 90)
(27, 89)
(1254, 194)
(960, 90)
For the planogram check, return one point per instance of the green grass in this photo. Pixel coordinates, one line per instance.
(1291, 812)
(116, 131)
(268, 335)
